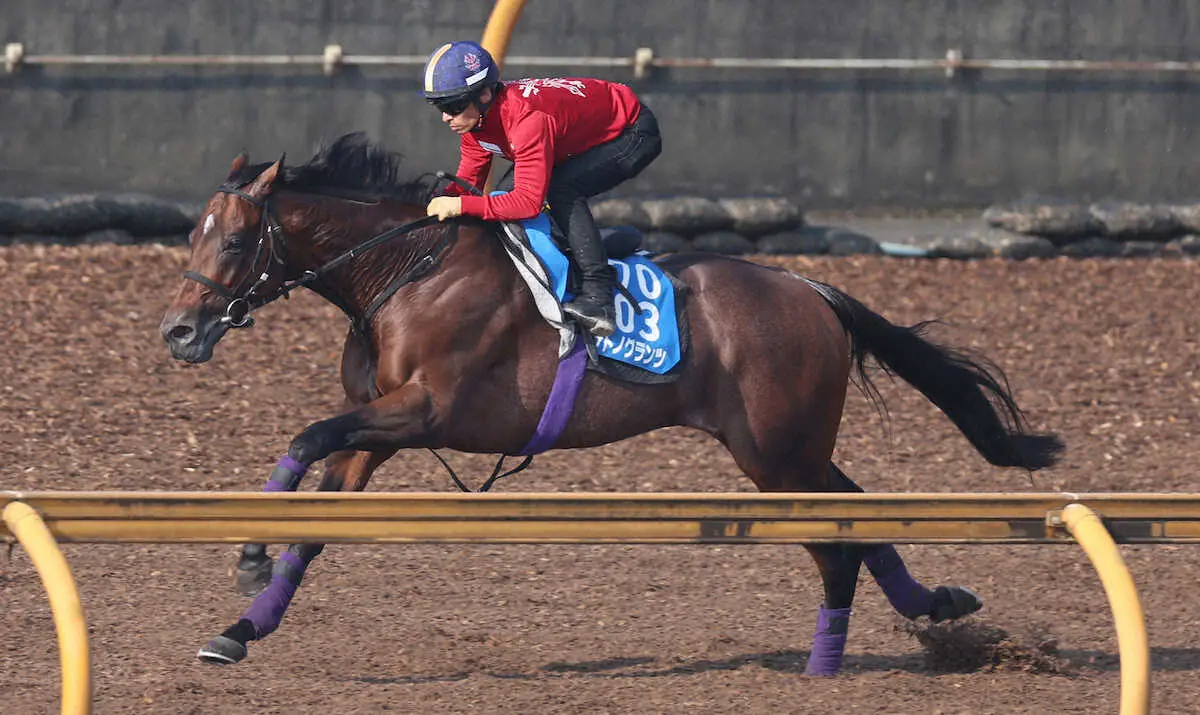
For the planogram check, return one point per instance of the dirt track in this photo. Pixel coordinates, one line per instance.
(1105, 353)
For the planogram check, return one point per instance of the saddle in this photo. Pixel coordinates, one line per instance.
(651, 339)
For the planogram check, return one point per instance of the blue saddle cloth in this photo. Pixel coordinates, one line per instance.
(647, 334)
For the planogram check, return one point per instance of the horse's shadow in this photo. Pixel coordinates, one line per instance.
(790, 662)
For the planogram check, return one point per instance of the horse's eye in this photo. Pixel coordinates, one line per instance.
(233, 243)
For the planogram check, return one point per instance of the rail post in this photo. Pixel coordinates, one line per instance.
(29, 529)
(1091, 534)
(500, 26)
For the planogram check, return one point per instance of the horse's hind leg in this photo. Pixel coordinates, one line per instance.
(344, 471)
(909, 598)
(801, 466)
(839, 565)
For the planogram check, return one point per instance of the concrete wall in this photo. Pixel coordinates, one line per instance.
(829, 139)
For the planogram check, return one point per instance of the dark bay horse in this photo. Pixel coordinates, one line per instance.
(446, 349)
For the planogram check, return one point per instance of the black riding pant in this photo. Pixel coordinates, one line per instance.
(593, 172)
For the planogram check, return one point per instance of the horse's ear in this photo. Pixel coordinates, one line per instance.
(266, 180)
(238, 164)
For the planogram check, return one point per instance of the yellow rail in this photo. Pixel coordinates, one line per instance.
(24, 524)
(191, 517)
(710, 518)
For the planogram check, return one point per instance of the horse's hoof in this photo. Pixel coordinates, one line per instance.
(251, 581)
(951, 602)
(222, 651)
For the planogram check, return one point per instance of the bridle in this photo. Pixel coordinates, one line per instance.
(272, 241)
(243, 299)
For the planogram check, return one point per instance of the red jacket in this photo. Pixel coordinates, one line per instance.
(538, 124)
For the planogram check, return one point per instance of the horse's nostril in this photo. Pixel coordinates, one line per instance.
(180, 334)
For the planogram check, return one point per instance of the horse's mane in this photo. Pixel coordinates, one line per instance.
(351, 163)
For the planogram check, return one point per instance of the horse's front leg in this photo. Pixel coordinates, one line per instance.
(344, 471)
(255, 566)
(367, 437)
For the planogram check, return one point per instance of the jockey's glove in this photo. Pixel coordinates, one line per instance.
(444, 207)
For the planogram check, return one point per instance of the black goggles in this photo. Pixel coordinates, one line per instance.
(453, 107)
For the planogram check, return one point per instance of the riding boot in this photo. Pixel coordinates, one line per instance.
(593, 307)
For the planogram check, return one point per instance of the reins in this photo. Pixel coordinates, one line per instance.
(271, 237)
(243, 301)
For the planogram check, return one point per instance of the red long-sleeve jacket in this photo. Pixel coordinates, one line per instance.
(538, 124)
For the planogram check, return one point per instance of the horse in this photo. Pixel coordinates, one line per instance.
(446, 349)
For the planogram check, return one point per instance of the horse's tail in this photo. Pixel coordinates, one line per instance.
(970, 390)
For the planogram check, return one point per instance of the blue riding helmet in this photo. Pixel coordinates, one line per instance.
(458, 69)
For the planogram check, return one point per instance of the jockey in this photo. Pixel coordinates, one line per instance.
(568, 139)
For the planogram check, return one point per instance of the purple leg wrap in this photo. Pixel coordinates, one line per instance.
(269, 606)
(829, 642)
(907, 596)
(286, 476)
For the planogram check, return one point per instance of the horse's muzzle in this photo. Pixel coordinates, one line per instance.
(188, 340)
